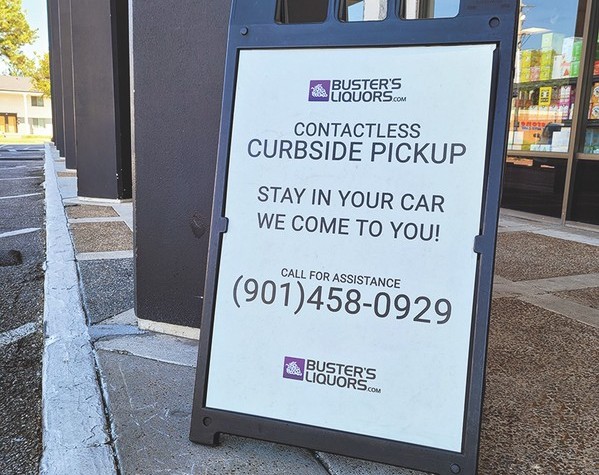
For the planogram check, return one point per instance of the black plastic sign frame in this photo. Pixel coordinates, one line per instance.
(257, 46)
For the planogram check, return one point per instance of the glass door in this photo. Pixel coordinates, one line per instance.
(546, 81)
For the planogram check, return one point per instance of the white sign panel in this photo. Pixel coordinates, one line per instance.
(346, 280)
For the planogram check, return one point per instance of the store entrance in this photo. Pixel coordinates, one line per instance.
(8, 123)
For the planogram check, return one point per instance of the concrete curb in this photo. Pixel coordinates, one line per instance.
(74, 430)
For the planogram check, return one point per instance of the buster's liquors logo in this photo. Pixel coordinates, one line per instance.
(356, 90)
(293, 368)
(328, 373)
(320, 90)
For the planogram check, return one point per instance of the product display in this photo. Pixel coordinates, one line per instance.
(546, 73)
(557, 71)
(545, 96)
(594, 102)
(545, 90)
(591, 143)
(558, 58)
(566, 102)
(525, 74)
(560, 140)
(543, 103)
(530, 58)
(552, 42)
(572, 48)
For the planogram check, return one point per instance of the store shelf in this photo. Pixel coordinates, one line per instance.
(547, 82)
(588, 156)
(535, 154)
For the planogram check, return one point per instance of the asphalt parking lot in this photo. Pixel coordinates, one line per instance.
(22, 254)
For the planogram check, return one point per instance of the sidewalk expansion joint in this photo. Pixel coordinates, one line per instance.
(93, 256)
(106, 219)
(541, 293)
(504, 287)
(99, 331)
(566, 308)
(512, 221)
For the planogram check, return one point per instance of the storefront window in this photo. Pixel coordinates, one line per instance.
(591, 142)
(547, 66)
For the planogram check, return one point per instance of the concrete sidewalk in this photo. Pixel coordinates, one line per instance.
(118, 399)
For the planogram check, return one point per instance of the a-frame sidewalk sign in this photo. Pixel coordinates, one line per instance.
(353, 232)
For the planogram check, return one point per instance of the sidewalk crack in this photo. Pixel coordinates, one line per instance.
(109, 422)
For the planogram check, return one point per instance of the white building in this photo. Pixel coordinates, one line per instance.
(23, 111)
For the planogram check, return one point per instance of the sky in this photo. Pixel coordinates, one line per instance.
(35, 11)
(446, 8)
(36, 14)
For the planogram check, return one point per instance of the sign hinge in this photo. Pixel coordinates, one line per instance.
(223, 225)
(479, 243)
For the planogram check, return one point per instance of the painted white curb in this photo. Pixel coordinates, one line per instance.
(75, 438)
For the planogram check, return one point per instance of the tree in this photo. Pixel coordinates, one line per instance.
(40, 75)
(15, 33)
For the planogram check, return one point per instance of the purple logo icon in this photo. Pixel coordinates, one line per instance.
(293, 368)
(320, 90)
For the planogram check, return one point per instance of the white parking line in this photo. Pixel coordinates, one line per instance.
(21, 178)
(11, 336)
(18, 232)
(18, 196)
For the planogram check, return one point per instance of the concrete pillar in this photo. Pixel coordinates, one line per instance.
(178, 55)
(101, 97)
(55, 74)
(68, 105)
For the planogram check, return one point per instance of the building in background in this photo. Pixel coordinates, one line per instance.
(23, 111)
